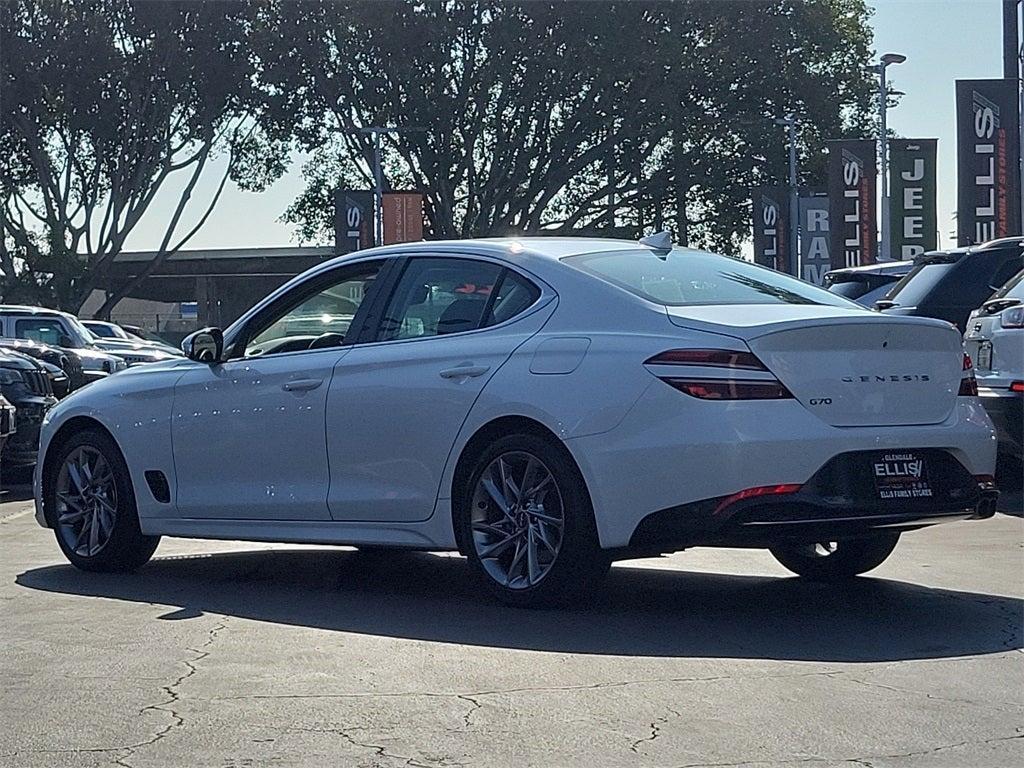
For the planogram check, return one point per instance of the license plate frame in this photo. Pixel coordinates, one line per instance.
(985, 356)
(901, 476)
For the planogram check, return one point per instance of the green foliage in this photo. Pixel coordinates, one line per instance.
(104, 101)
(538, 114)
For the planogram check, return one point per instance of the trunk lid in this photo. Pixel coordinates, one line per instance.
(850, 367)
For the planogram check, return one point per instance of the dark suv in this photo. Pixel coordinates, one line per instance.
(949, 285)
(26, 385)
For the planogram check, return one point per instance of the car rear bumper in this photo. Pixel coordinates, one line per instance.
(1006, 409)
(671, 451)
(839, 501)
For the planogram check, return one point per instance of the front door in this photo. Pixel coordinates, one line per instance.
(248, 433)
(396, 404)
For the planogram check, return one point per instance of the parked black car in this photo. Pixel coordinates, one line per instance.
(25, 383)
(8, 422)
(65, 359)
(867, 284)
(951, 284)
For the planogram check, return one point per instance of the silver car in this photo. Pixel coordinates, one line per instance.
(995, 342)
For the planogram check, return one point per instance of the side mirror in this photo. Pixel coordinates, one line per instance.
(204, 346)
(65, 340)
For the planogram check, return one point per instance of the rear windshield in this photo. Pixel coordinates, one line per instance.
(686, 278)
(915, 287)
(1014, 289)
(851, 289)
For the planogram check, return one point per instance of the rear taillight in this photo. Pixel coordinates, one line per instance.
(968, 384)
(730, 389)
(734, 383)
(712, 358)
(1017, 386)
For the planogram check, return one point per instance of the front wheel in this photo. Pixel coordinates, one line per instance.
(91, 506)
(528, 525)
(835, 560)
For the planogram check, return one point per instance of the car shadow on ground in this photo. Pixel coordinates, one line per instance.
(637, 611)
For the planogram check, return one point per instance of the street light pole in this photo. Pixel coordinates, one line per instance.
(794, 215)
(883, 109)
(375, 131)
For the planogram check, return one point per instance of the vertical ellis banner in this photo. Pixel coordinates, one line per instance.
(851, 193)
(913, 221)
(353, 219)
(988, 157)
(814, 236)
(771, 227)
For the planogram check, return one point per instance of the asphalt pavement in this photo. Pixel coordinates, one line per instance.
(238, 654)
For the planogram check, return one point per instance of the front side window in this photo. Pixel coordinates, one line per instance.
(685, 278)
(316, 318)
(43, 330)
(438, 296)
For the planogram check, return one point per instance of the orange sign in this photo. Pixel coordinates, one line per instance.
(403, 217)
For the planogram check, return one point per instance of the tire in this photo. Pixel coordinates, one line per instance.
(848, 558)
(567, 562)
(119, 544)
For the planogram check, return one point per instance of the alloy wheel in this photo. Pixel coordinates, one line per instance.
(86, 501)
(518, 520)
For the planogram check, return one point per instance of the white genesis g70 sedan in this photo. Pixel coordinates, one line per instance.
(543, 406)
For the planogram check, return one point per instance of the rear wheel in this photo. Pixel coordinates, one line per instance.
(91, 505)
(528, 524)
(834, 560)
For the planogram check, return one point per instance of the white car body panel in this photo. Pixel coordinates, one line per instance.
(368, 456)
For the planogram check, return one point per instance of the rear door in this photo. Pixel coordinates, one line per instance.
(397, 402)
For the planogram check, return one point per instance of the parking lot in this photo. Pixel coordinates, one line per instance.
(238, 654)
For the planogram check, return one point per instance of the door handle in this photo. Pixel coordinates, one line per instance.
(301, 385)
(468, 371)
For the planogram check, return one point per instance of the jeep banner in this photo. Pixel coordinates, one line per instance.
(988, 157)
(913, 221)
(771, 227)
(353, 220)
(814, 236)
(851, 194)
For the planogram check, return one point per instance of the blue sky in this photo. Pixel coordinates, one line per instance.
(944, 40)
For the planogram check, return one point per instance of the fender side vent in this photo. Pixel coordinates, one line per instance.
(158, 485)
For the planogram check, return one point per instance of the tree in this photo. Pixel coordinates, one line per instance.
(559, 116)
(104, 102)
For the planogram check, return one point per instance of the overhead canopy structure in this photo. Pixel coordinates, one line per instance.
(223, 281)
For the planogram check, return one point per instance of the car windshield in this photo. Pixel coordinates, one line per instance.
(1014, 289)
(683, 277)
(915, 287)
(81, 335)
(104, 331)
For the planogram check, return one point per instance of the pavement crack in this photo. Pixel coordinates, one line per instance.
(655, 728)
(168, 705)
(474, 706)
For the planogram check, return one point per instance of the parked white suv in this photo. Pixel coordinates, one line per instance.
(995, 342)
(59, 329)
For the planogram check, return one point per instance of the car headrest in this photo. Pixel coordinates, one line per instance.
(461, 315)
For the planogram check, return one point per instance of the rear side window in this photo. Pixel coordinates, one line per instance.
(686, 278)
(916, 286)
(438, 296)
(514, 294)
